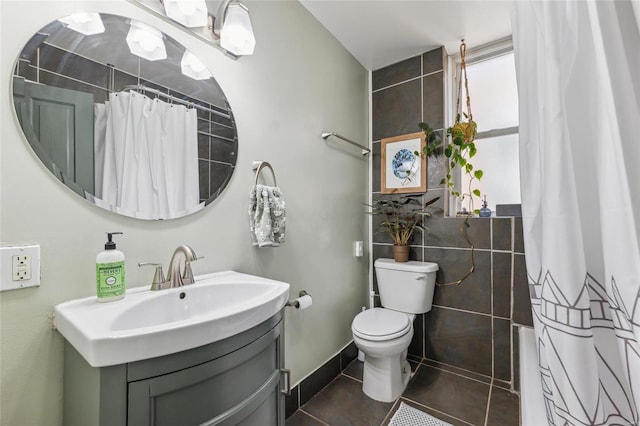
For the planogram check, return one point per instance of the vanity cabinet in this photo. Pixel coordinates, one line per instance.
(236, 381)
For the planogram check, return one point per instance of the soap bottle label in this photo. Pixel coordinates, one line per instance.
(110, 279)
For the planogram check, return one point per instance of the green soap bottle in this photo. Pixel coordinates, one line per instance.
(110, 272)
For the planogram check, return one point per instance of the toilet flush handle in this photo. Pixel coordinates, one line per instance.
(421, 277)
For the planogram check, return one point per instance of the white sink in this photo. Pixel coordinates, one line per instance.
(147, 324)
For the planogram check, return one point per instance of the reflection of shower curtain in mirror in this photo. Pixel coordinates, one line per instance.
(149, 160)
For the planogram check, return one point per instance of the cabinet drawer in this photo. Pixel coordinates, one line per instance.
(202, 392)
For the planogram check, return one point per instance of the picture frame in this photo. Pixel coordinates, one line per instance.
(401, 171)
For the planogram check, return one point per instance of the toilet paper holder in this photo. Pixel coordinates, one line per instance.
(295, 303)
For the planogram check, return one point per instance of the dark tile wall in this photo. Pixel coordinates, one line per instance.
(217, 138)
(312, 384)
(472, 326)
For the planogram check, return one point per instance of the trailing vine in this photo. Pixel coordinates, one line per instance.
(458, 152)
(462, 147)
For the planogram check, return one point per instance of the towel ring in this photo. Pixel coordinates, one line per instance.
(258, 166)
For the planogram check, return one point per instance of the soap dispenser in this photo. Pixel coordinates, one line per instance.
(110, 271)
(485, 211)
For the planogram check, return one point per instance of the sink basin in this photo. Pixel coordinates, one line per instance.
(147, 324)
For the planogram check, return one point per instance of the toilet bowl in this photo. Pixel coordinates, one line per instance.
(384, 334)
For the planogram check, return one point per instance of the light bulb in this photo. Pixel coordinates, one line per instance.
(236, 35)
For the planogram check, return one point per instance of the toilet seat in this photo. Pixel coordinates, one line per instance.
(379, 324)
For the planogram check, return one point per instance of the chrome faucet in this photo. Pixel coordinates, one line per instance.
(173, 274)
(174, 278)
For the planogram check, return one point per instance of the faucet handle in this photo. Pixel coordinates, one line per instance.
(187, 276)
(159, 281)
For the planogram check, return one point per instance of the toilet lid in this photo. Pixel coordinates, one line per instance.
(380, 324)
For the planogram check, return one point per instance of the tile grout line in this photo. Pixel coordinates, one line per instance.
(493, 328)
(396, 84)
(421, 76)
(387, 417)
(314, 417)
(422, 93)
(511, 301)
(486, 250)
(350, 377)
(463, 370)
(486, 415)
(459, 375)
(462, 310)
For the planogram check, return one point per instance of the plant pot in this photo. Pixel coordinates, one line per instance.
(401, 253)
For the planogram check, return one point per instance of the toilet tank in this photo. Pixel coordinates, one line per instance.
(406, 286)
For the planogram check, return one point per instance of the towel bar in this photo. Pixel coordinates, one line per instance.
(364, 149)
(258, 166)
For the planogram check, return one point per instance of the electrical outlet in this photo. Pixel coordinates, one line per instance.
(19, 267)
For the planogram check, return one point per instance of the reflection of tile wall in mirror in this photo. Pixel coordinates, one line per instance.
(73, 66)
(220, 174)
(223, 151)
(203, 179)
(203, 146)
(223, 127)
(29, 52)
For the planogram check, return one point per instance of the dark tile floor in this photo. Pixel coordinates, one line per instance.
(443, 392)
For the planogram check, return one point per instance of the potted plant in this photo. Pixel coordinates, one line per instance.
(461, 148)
(459, 153)
(400, 218)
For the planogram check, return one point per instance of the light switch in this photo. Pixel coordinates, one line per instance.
(358, 248)
(19, 267)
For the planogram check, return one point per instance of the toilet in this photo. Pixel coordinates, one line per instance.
(384, 334)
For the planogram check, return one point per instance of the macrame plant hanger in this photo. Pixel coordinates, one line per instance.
(469, 130)
(467, 126)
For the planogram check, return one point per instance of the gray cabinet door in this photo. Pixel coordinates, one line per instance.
(227, 390)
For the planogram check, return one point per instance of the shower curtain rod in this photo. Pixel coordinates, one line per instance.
(146, 89)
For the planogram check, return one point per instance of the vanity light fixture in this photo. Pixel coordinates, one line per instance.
(190, 13)
(146, 42)
(232, 28)
(87, 23)
(192, 67)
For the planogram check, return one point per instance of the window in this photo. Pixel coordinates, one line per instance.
(494, 105)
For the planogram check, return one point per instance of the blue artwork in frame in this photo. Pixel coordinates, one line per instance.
(404, 167)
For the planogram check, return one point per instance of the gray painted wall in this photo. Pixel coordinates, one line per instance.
(299, 82)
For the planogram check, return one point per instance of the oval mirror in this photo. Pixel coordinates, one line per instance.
(125, 116)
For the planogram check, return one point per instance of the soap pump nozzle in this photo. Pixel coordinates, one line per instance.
(110, 245)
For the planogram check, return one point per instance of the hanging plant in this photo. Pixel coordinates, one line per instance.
(458, 152)
(461, 147)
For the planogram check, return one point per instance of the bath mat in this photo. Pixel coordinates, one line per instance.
(409, 416)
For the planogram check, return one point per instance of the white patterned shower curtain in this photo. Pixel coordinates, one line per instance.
(578, 68)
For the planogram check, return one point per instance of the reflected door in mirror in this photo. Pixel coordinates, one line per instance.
(62, 133)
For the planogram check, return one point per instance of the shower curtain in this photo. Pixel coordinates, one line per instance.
(578, 70)
(149, 160)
